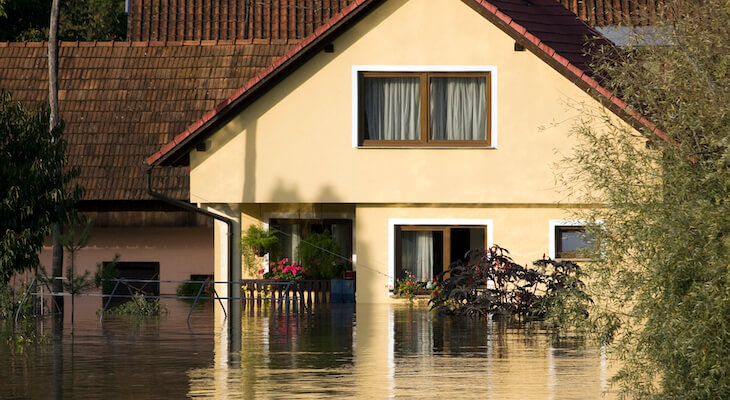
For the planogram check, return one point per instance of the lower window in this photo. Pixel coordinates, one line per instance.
(427, 251)
(571, 242)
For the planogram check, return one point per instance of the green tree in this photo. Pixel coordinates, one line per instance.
(30, 189)
(662, 260)
(82, 20)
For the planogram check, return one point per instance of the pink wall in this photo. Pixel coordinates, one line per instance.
(180, 251)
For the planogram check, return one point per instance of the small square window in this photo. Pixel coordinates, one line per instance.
(571, 242)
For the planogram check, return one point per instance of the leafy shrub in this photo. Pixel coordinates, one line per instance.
(490, 283)
(140, 306)
(255, 243)
(191, 289)
(106, 273)
(318, 254)
(10, 298)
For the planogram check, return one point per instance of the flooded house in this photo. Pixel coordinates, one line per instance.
(301, 129)
(415, 129)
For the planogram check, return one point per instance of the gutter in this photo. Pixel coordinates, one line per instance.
(187, 206)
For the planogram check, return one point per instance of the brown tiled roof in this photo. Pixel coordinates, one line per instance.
(167, 20)
(544, 26)
(614, 12)
(228, 19)
(549, 22)
(121, 101)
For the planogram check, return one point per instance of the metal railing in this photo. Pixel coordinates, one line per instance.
(282, 291)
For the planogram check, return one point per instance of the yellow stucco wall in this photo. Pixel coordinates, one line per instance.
(291, 150)
(294, 144)
(523, 230)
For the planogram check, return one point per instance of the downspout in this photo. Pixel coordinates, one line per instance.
(187, 206)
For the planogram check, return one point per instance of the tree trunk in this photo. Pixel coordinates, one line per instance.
(53, 100)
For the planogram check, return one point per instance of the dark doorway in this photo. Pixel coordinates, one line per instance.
(135, 270)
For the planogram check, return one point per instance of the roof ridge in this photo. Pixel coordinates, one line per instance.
(489, 6)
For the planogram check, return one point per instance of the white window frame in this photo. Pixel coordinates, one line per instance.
(554, 223)
(393, 222)
(357, 69)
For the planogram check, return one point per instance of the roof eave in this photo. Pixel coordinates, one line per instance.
(176, 152)
(579, 77)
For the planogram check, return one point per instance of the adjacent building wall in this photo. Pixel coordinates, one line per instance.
(181, 252)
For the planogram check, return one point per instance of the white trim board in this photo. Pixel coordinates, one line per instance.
(392, 222)
(492, 69)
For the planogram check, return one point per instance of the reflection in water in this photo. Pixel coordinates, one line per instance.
(367, 351)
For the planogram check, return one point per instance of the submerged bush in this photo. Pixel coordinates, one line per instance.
(490, 283)
(140, 306)
(191, 289)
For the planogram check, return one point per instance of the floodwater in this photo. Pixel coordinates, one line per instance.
(363, 351)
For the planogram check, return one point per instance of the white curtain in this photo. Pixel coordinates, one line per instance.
(392, 108)
(417, 254)
(458, 108)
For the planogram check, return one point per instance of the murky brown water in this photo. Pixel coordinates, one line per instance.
(368, 351)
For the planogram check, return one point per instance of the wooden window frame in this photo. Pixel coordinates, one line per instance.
(446, 245)
(425, 107)
(571, 255)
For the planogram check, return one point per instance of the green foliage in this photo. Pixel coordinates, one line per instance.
(408, 286)
(10, 298)
(318, 254)
(30, 190)
(255, 243)
(80, 20)
(490, 283)
(260, 240)
(139, 306)
(662, 275)
(73, 241)
(106, 274)
(88, 20)
(191, 289)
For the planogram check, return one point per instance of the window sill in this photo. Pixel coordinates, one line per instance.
(429, 147)
(575, 260)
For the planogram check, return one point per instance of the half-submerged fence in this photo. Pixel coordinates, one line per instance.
(299, 295)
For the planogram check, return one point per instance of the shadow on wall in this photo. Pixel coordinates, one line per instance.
(284, 193)
(249, 163)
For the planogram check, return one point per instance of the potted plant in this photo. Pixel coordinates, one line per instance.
(259, 241)
(319, 255)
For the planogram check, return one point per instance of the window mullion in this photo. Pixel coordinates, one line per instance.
(425, 107)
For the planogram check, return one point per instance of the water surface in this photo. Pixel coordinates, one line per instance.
(367, 351)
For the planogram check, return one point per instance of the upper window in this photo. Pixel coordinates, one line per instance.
(438, 109)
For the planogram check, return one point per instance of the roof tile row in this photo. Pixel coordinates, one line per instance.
(121, 102)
